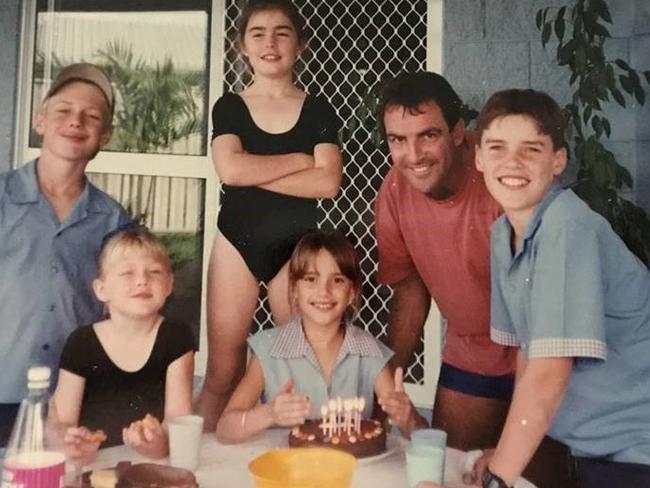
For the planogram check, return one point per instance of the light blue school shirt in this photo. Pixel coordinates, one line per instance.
(284, 353)
(46, 273)
(575, 290)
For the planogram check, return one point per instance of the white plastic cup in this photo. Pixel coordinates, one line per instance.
(425, 463)
(185, 433)
(425, 457)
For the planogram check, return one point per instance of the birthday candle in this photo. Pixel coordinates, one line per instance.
(356, 414)
(332, 408)
(347, 407)
(362, 406)
(323, 425)
(339, 414)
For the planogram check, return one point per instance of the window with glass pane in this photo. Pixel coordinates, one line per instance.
(156, 53)
(172, 208)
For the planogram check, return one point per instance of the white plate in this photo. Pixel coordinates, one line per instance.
(393, 443)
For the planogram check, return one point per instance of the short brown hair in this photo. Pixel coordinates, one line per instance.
(130, 237)
(334, 242)
(537, 105)
(284, 6)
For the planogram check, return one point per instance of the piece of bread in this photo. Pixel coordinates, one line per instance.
(103, 478)
(98, 436)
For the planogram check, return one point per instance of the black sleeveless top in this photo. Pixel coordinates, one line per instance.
(264, 226)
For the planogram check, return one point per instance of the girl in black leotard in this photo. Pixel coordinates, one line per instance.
(275, 150)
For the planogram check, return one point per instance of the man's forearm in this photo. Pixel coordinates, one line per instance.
(409, 308)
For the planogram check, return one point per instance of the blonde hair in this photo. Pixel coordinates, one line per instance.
(131, 238)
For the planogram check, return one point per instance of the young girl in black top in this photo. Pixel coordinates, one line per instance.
(275, 150)
(123, 378)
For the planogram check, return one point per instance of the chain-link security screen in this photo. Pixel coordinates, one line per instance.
(353, 45)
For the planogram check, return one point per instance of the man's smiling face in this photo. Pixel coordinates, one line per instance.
(422, 146)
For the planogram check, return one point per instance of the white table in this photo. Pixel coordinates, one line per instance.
(227, 466)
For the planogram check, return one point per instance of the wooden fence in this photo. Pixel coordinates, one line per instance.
(164, 204)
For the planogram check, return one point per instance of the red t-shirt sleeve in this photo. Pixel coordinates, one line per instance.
(395, 262)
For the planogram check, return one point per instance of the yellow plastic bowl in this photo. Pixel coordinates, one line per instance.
(312, 467)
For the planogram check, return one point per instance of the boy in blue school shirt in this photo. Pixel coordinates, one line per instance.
(572, 297)
(52, 222)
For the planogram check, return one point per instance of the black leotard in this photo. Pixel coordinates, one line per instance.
(113, 398)
(263, 225)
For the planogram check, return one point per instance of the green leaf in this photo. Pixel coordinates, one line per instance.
(622, 64)
(590, 150)
(626, 84)
(639, 94)
(601, 8)
(625, 176)
(610, 171)
(559, 27)
(580, 59)
(611, 77)
(597, 126)
(538, 19)
(647, 76)
(618, 96)
(607, 127)
(586, 115)
(634, 78)
(601, 86)
(546, 34)
(566, 52)
(600, 174)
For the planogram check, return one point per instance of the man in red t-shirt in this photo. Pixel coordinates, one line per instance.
(433, 215)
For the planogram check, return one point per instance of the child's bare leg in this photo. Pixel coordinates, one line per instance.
(278, 295)
(231, 300)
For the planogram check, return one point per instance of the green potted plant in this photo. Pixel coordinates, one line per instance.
(582, 34)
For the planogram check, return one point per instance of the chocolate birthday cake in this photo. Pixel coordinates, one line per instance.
(370, 440)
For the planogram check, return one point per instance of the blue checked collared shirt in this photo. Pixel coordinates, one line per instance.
(575, 290)
(46, 273)
(284, 353)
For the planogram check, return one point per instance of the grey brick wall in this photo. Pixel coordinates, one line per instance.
(491, 45)
(9, 32)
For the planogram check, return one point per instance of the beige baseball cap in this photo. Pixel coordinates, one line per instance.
(84, 72)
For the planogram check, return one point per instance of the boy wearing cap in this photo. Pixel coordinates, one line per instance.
(52, 221)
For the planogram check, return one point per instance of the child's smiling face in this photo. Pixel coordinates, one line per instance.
(135, 283)
(323, 293)
(519, 164)
(270, 43)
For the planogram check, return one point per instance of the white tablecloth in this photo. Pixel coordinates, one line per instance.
(227, 466)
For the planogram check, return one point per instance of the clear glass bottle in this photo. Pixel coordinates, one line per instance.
(30, 461)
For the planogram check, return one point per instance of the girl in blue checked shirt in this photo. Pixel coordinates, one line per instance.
(296, 368)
